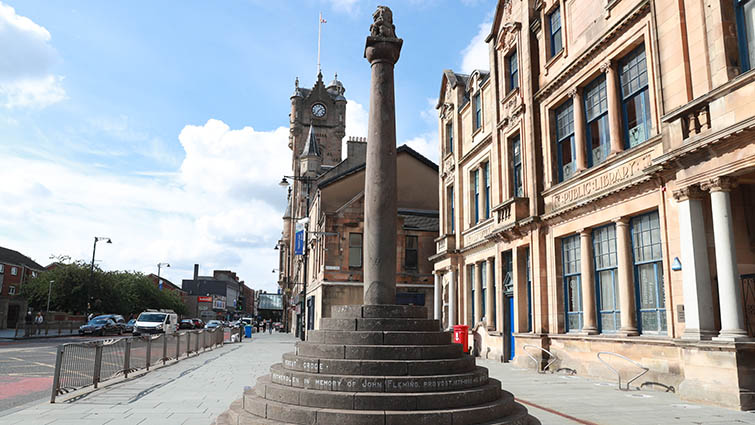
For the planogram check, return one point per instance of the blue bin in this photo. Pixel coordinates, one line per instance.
(248, 331)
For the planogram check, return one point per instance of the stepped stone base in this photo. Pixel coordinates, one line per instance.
(382, 365)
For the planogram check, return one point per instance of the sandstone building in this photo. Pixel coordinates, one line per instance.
(591, 183)
(329, 192)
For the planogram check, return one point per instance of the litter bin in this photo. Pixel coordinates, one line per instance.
(461, 336)
(248, 331)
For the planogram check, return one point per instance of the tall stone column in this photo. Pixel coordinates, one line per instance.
(437, 296)
(490, 294)
(614, 106)
(587, 272)
(729, 288)
(477, 295)
(579, 128)
(626, 278)
(698, 305)
(451, 298)
(382, 51)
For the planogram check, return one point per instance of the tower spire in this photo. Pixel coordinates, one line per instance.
(320, 21)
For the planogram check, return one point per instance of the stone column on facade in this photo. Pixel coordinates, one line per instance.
(579, 128)
(451, 298)
(698, 303)
(729, 287)
(614, 105)
(625, 271)
(437, 296)
(382, 51)
(490, 294)
(477, 295)
(587, 273)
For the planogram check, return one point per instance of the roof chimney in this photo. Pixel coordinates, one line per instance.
(196, 272)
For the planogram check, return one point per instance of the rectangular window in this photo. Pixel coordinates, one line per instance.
(565, 141)
(554, 20)
(745, 13)
(470, 270)
(477, 111)
(450, 208)
(516, 165)
(529, 290)
(513, 64)
(11, 290)
(635, 103)
(606, 281)
(2, 268)
(453, 217)
(570, 249)
(355, 250)
(596, 109)
(410, 253)
(476, 199)
(484, 284)
(450, 137)
(494, 288)
(486, 181)
(648, 272)
(14, 271)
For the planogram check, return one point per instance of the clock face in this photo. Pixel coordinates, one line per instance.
(318, 110)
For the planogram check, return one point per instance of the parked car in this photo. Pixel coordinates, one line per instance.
(152, 322)
(214, 324)
(186, 324)
(130, 325)
(198, 323)
(101, 326)
(117, 318)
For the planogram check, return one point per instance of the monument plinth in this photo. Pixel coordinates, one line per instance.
(378, 363)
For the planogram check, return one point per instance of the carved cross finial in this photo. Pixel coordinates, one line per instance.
(383, 23)
(296, 83)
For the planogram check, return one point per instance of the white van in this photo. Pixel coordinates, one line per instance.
(154, 321)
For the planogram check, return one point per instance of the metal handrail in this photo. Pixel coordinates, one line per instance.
(644, 369)
(537, 363)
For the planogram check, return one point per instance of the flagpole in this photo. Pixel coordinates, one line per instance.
(319, 33)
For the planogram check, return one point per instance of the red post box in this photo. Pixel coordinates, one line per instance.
(461, 336)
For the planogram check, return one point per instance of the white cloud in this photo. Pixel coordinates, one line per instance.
(356, 123)
(26, 79)
(426, 144)
(222, 208)
(476, 55)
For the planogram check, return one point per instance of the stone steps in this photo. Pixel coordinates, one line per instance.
(378, 352)
(379, 337)
(378, 400)
(296, 414)
(379, 324)
(359, 383)
(465, 363)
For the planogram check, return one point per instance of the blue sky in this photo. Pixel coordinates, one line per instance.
(163, 125)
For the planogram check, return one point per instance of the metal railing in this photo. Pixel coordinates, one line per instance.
(28, 330)
(644, 369)
(538, 363)
(79, 365)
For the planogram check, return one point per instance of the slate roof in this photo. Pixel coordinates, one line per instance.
(310, 146)
(422, 220)
(9, 256)
(270, 302)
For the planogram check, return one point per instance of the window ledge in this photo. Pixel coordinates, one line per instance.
(554, 58)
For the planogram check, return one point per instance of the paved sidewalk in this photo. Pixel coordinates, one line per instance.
(198, 389)
(192, 391)
(53, 333)
(572, 400)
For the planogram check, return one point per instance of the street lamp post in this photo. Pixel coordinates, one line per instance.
(284, 183)
(159, 265)
(91, 269)
(49, 291)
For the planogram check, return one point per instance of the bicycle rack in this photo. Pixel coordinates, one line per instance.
(644, 369)
(537, 363)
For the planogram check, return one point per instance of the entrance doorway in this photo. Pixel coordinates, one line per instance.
(13, 313)
(510, 328)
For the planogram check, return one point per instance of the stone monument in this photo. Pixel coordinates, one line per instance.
(378, 363)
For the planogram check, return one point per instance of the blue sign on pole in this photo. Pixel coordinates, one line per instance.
(299, 240)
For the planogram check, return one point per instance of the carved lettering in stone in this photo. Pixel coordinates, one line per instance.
(606, 180)
(477, 235)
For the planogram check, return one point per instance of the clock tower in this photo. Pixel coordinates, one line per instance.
(320, 110)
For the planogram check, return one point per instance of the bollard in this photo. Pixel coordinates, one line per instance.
(97, 364)
(178, 346)
(56, 376)
(165, 348)
(149, 349)
(127, 358)
(196, 344)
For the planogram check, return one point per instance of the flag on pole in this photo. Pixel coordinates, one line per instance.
(322, 20)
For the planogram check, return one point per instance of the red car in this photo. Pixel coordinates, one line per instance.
(198, 323)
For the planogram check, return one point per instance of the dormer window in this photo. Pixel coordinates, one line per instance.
(477, 105)
(513, 67)
(450, 137)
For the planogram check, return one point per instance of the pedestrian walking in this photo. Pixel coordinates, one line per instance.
(264, 326)
(38, 322)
